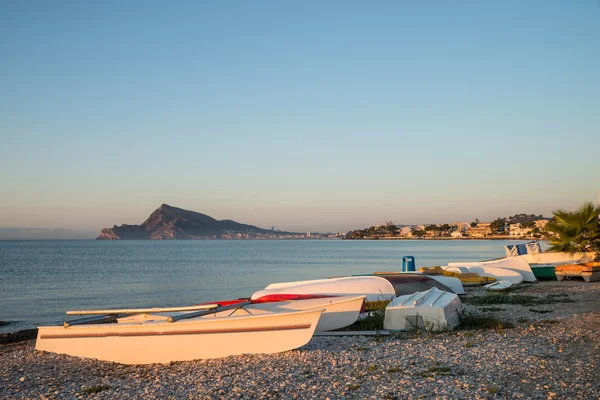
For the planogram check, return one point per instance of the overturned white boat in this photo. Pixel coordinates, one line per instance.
(433, 310)
(145, 336)
(375, 288)
(512, 263)
(452, 283)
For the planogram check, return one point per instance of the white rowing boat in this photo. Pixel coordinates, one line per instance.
(146, 338)
(338, 311)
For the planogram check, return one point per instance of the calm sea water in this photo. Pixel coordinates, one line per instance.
(40, 280)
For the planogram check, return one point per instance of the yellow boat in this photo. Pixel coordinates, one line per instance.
(467, 279)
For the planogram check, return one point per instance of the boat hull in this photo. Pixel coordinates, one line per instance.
(495, 272)
(450, 282)
(590, 272)
(198, 338)
(510, 263)
(557, 258)
(544, 272)
(375, 288)
(465, 279)
(339, 311)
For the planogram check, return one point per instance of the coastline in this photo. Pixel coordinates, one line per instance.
(448, 238)
(552, 352)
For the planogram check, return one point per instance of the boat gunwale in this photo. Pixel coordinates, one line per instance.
(197, 320)
(83, 335)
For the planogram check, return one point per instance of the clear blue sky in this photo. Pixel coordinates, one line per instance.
(306, 116)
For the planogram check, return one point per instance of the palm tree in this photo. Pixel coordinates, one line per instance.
(575, 231)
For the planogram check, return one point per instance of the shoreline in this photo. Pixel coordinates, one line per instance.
(447, 238)
(551, 352)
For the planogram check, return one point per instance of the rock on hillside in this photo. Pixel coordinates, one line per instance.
(169, 222)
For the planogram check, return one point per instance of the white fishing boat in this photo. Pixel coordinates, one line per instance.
(433, 310)
(512, 263)
(145, 336)
(380, 287)
(494, 272)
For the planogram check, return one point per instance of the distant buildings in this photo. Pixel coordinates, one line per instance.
(461, 226)
(521, 226)
(516, 230)
(480, 230)
(541, 224)
(456, 234)
(406, 231)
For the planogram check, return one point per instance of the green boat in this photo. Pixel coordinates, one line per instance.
(543, 272)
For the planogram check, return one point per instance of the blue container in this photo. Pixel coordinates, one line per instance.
(408, 264)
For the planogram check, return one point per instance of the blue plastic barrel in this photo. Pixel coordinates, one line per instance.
(408, 264)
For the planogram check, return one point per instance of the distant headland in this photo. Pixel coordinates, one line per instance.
(169, 223)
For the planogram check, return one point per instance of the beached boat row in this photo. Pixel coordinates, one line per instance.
(281, 317)
(285, 315)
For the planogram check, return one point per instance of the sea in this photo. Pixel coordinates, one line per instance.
(40, 280)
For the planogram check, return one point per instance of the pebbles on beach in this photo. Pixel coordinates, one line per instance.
(550, 356)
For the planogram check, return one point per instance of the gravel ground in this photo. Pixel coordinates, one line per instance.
(551, 355)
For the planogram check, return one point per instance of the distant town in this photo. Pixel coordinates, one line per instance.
(519, 226)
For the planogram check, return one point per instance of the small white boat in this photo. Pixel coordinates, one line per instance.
(156, 337)
(558, 258)
(433, 310)
(512, 263)
(339, 311)
(373, 287)
(499, 286)
(494, 272)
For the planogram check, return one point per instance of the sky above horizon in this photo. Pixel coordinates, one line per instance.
(304, 116)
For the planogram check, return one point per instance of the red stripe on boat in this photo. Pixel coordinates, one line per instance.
(272, 298)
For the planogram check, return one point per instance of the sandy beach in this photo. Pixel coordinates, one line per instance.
(552, 351)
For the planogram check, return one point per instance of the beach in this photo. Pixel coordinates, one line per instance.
(552, 352)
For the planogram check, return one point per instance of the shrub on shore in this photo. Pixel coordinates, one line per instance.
(575, 231)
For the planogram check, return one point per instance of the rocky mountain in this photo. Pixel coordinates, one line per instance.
(169, 222)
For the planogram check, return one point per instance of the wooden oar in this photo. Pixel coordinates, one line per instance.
(176, 318)
(91, 320)
(143, 310)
